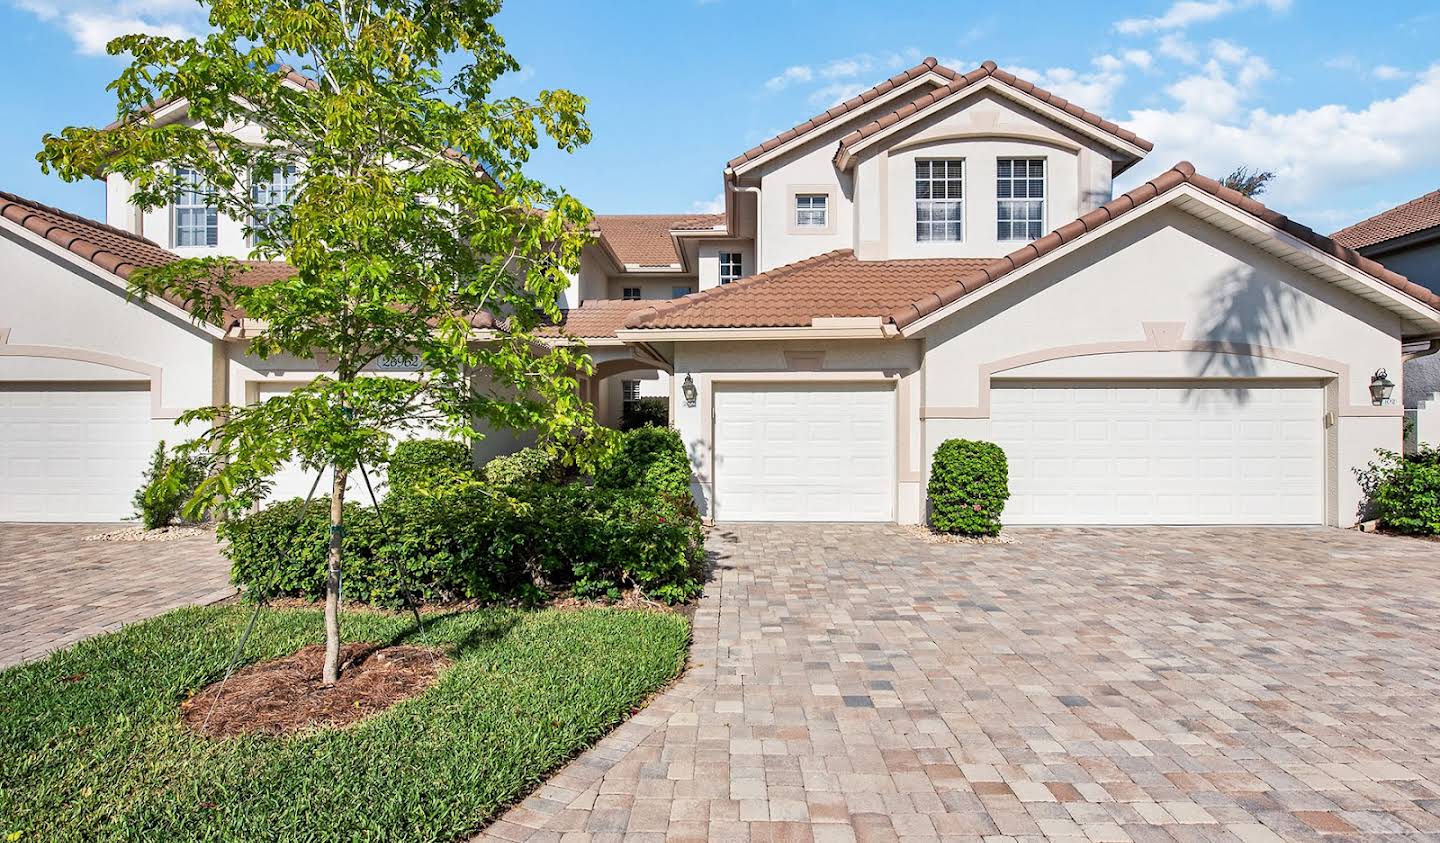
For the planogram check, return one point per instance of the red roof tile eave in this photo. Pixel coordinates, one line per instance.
(1181, 173)
(1418, 215)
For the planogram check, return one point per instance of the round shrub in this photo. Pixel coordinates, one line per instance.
(527, 465)
(1402, 491)
(425, 461)
(969, 484)
(652, 459)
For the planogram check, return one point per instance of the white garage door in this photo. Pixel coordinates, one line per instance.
(1111, 454)
(72, 454)
(805, 453)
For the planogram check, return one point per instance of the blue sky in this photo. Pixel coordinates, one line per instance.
(1341, 99)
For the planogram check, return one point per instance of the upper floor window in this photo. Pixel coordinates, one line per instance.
(677, 292)
(270, 196)
(939, 199)
(196, 220)
(812, 210)
(1020, 198)
(630, 293)
(730, 267)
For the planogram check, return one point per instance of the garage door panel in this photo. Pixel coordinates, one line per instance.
(73, 453)
(807, 453)
(1159, 454)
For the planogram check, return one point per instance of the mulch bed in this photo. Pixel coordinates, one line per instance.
(284, 695)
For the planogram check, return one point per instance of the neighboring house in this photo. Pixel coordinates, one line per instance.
(940, 256)
(1406, 239)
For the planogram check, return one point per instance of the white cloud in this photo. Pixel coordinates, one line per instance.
(836, 93)
(1316, 153)
(1174, 45)
(790, 76)
(1185, 13)
(1226, 80)
(714, 205)
(868, 68)
(91, 24)
(1389, 72)
(1140, 58)
(1093, 90)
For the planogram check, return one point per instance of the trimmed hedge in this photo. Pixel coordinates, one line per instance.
(472, 539)
(424, 461)
(650, 410)
(527, 465)
(1403, 491)
(969, 485)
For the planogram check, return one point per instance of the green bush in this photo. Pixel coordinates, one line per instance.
(1403, 491)
(165, 487)
(475, 540)
(969, 484)
(427, 461)
(652, 459)
(527, 465)
(650, 410)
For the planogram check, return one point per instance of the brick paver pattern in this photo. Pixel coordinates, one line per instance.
(858, 683)
(56, 589)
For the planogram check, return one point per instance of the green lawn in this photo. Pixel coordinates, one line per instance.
(91, 746)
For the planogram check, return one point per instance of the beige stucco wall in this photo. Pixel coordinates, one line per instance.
(1157, 289)
(977, 131)
(63, 322)
(708, 260)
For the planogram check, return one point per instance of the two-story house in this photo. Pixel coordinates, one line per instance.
(943, 255)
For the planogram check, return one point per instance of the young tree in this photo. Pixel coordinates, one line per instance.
(1252, 183)
(407, 217)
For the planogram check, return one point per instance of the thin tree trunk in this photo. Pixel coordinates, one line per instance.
(331, 671)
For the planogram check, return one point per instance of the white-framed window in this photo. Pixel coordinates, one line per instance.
(731, 267)
(939, 199)
(812, 210)
(269, 196)
(196, 221)
(629, 395)
(1019, 198)
(677, 291)
(630, 293)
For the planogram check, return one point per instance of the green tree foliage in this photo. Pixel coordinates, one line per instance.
(166, 485)
(1402, 491)
(1250, 182)
(969, 485)
(411, 221)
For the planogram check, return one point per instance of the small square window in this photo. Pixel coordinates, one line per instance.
(630, 293)
(731, 268)
(812, 210)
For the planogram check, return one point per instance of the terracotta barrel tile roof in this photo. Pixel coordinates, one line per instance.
(834, 284)
(1182, 173)
(594, 318)
(700, 223)
(1415, 215)
(112, 249)
(960, 82)
(644, 239)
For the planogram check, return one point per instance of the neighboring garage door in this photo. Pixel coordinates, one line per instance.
(1161, 454)
(72, 453)
(805, 453)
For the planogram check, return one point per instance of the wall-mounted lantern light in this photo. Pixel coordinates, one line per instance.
(688, 389)
(1380, 387)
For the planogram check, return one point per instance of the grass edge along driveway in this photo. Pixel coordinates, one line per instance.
(93, 747)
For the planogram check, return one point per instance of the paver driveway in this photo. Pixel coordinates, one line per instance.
(56, 589)
(854, 682)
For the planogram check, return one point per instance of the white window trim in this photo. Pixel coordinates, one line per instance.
(963, 202)
(792, 192)
(289, 178)
(1044, 198)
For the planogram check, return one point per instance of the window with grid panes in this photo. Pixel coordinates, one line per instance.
(630, 293)
(1020, 198)
(269, 196)
(730, 268)
(811, 210)
(939, 199)
(196, 220)
(629, 395)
